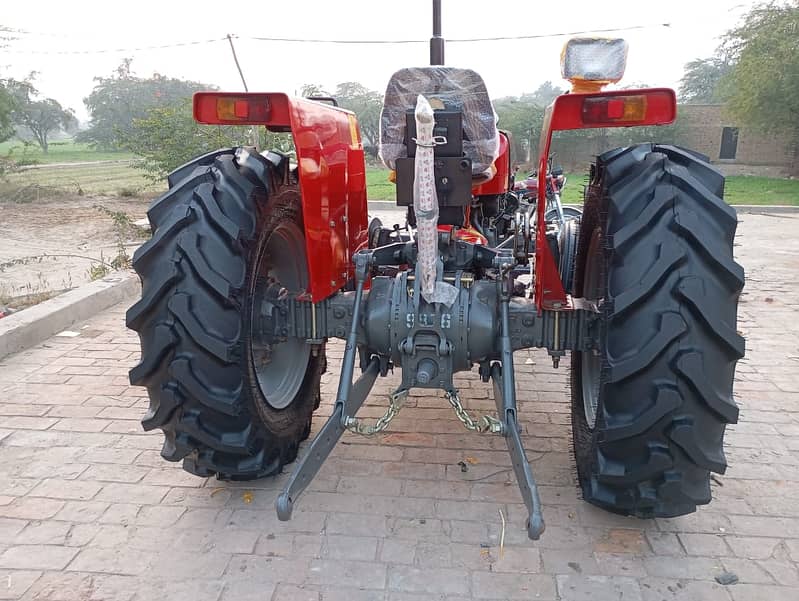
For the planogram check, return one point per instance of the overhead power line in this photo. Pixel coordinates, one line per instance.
(458, 40)
(111, 50)
(324, 41)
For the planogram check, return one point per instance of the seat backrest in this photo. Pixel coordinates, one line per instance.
(455, 89)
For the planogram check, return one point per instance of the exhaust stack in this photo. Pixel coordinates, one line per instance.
(436, 42)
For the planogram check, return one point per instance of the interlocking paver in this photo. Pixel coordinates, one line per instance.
(239, 590)
(753, 547)
(657, 589)
(114, 560)
(336, 546)
(78, 490)
(431, 580)
(37, 557)
(781, 572)
(132, 493)
(704, 544)
(590, 588)
(43, 533)
(30, 508)
(760, 592)
(16, 582)
(488, 585)
(89, 509)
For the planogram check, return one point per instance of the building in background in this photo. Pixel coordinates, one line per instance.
(734, 149)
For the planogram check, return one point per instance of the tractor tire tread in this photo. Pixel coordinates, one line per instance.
(669, 341)
(196, 263)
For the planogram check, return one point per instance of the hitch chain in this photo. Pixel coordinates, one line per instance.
(359, 426)
(483, 423)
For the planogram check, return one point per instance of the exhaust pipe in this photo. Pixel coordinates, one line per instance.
(436, 42)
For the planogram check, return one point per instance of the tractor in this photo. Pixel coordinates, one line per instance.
(258, 258)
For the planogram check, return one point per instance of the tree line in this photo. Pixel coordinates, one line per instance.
(754, 73)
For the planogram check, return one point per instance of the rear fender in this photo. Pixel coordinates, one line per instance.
(653, 106)
(331, 169)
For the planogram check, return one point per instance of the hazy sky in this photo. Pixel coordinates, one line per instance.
(657, 54)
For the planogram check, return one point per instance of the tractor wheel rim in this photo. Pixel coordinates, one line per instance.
(591, 361)
(569, 213)
(282, 261)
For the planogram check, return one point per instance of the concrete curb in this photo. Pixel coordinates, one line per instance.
(384, 205)
(33, 325)
(388, 205)
(763, 209)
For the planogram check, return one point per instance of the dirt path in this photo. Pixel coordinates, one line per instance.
(78, 227)
(75, 164)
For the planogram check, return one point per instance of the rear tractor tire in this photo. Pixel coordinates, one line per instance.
(229, 228)
(650, 405)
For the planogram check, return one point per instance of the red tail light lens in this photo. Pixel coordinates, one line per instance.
(622, 108)
(221, 108)
(611, 110)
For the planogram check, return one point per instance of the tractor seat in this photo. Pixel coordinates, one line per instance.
(455, 89)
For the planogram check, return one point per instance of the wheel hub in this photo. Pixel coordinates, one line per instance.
(591, 361)
(279, 362)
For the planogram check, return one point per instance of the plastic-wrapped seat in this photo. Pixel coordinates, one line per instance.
(454, 89)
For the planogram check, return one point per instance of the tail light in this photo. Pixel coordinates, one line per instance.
(611, 110)
(621, 108)
(223, 108)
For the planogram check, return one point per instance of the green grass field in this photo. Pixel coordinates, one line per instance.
(748, 190)
(740, 189)
(379, 188)
(118, 179)
(122, 178)
(377, 185)
(60, 151)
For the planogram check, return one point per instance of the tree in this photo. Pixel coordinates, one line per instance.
(168, 136)
(366, 104)
(116, 101)
(6, 99)
(6, 110)
(762, 88)
(700, 82)
(545, 94)
(523, 118)
(313, 89)
(41, 117)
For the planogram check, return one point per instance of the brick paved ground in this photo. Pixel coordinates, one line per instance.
(88, 510)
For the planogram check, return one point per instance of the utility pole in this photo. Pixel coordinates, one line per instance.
(255, 133)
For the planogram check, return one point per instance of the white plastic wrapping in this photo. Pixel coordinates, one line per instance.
(425, 205)
(448, 88)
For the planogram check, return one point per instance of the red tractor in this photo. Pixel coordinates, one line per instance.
(257, 259)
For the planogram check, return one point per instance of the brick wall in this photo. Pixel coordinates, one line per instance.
(701, 126)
